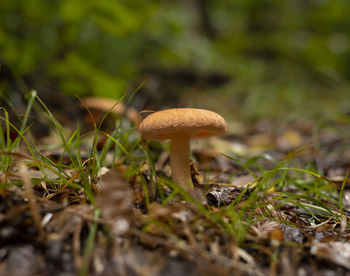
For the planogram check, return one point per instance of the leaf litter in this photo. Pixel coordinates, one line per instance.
(251, 213)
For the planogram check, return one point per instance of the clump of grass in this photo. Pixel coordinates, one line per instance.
(8, 145)
(80, 172)
(316, 196)
(85, 168)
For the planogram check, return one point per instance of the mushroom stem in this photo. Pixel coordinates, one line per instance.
(180, 160)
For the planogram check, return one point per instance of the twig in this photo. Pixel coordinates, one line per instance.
(78, 260)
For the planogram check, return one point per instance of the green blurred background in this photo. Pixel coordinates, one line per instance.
(250, 59)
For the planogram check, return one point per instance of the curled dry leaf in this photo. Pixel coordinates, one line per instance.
(115, 199)
(226, 194)
(222, 195)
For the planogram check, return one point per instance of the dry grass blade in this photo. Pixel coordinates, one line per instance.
(78, 260)
(31, 199)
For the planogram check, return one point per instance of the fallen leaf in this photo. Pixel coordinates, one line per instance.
(337, 252)
(115, 199)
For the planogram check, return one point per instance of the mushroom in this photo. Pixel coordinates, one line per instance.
(180, 125)
(101, 104)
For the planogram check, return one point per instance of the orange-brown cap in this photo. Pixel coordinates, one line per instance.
(105, 104)
(196, 123)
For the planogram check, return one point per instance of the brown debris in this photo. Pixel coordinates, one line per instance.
(24, 261)
(115, 199)
(173, 236)
(31, 199)
(337, 252)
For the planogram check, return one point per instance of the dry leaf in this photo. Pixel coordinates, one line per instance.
(337, 252)
(115, 199)
(226, 194)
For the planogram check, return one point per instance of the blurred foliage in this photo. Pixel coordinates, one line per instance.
(291, 52)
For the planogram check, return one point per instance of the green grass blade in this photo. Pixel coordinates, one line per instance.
(89, 247)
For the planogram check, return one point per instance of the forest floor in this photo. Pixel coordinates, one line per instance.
(94, 199)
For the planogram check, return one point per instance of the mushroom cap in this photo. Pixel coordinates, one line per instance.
(104, 104)
(194, 122)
